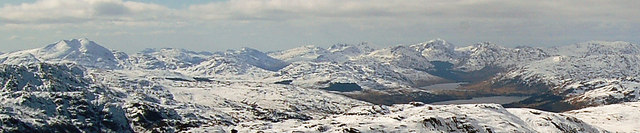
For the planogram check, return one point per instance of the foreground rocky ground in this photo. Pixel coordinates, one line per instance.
(68, 98)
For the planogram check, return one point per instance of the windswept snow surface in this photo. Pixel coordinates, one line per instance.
(429, 118)
(614, 118)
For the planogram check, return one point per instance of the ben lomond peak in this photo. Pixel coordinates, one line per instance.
(76, 47)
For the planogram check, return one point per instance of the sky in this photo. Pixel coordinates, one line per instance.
(206, 25)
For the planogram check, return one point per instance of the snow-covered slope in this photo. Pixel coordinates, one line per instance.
(80, 51)
(219, 65)
(168, 58)
(22, 58)
(591, 73)
(371, 75)
(400, 56)
(178, 90)
(256, 58)
(622, 117)
(406, 66)
(52, 98)
(56, 98)
(215, 103)
(595, 48)
(486, 54)
(393, 67)
(548, 122)
(344, 52)
(438, 50)
(256, 105)
(304, 53)
(247, 62)
(484, 118)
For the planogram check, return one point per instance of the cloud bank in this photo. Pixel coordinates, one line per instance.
(292, 22)
(118, 11)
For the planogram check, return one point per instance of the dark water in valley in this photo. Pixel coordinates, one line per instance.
(491, 99)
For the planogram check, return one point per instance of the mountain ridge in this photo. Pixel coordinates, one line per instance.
(87, 87)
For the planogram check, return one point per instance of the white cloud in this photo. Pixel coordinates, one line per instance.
(118, 12)
(280, 22)
(46, 12)
(411, 9)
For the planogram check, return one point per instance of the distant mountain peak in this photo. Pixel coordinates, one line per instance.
(82, 51)
(75, 42)
(75, 47)
(434, 44)
(486, 44)
(249, 50)
(437, 41)
(596, 48)
(363, 47)
(172, 50)
(607, 42)
(302, 53)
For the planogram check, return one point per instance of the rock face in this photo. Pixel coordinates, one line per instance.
(59, 98)
(53, 98)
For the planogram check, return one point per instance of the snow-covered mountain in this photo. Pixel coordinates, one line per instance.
(484, 118)
(591, 73)
(401, 56)
(56, 98)
(77, 85)
(168, 58)
(438, 50)
(256, 58)
(21, 58)
(304, 53)
(372, 75)
(614, 118)
(595, 48)
(71, 98)
(483, 55)
(393, 67)
(247, 61)
(80, 51)
(220, 65)
(344, 52)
